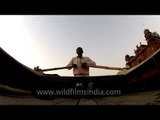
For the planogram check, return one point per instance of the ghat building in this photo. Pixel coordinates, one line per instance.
(142, 52)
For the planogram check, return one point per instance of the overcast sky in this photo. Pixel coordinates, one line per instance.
(50, 41)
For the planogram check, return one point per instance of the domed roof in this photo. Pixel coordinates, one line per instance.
(146, 31)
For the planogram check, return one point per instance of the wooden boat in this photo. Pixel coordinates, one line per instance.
(17, 75)
(143, 74)
(141, 77)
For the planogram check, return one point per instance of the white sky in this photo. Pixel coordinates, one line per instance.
(50, 41)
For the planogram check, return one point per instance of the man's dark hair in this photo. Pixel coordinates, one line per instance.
(79, 48)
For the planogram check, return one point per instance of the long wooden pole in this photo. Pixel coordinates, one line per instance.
(58, 68)
(95, 66)
(107, 67)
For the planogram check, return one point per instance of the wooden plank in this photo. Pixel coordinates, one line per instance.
(27, 100)
(142, 98)
(86, 101)
(68, 101)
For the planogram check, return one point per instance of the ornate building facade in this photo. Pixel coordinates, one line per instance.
(142, 51)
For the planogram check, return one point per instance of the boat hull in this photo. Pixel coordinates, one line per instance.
(144, 77)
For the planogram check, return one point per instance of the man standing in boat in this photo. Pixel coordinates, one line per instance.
(80, 64)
